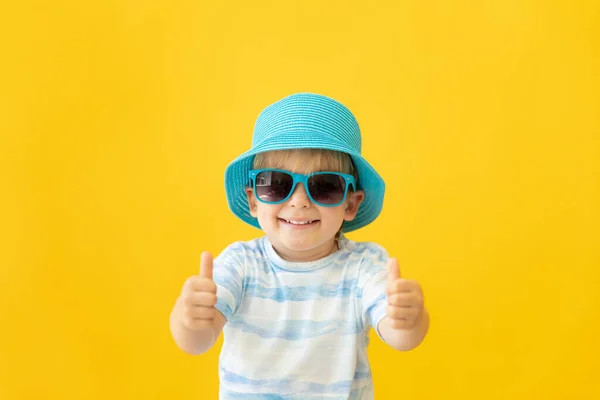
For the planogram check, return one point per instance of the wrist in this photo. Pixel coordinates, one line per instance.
(405, 338)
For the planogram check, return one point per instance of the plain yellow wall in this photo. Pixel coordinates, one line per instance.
(117, 119)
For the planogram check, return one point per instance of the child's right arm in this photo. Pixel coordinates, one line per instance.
(195, 322)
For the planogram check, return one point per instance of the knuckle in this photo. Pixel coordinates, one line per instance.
(209, 312)
(209, 299)
(189, 282)
(392, 312)
(410, 299)
(188, 322)
(188, 313)
(213, 286)
(206, 285)
(186, 300)
(397, 301)
(418, 301)
(200, 299)
(190, 285)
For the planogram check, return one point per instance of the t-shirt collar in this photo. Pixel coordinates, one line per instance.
(303, 266)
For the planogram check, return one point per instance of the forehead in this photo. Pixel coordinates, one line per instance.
(301, 161)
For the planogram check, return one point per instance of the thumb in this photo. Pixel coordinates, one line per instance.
(393, 270)
(206, 265)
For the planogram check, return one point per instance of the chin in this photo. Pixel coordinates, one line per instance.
(299, 245)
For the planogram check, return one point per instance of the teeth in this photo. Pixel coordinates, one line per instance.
(298, 222)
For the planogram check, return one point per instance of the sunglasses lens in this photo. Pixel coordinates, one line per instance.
(273, 186)
(327, 188)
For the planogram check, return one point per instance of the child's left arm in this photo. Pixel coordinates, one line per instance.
(406, 321)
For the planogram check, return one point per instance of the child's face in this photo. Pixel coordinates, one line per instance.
(307, 242)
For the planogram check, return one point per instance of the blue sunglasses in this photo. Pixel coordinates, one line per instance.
(274, 186)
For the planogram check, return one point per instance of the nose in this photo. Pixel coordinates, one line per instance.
(299, 198)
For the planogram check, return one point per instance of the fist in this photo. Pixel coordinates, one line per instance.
(199, 296)
(405, 299)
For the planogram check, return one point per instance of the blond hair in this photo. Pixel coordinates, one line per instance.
(320, 160)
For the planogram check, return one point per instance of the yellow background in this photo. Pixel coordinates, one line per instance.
(117, 119)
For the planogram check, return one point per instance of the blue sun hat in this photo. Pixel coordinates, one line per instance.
(306, 121)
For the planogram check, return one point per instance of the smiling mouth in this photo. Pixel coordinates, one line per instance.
(299, 223)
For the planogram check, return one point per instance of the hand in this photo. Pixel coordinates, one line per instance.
(198, 297)
(405, 299)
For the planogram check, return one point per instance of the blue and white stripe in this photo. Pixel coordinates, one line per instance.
(298, 330)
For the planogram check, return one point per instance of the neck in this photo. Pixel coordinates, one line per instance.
(308, 255)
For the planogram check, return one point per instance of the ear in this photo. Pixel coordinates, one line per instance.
(353, 203)
(251, 201)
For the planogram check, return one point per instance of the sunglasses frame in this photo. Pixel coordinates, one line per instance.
(301, 178)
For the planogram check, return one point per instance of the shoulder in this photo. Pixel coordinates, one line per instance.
(234, 262)
(243, 252)
(370, 258)
(368, 251)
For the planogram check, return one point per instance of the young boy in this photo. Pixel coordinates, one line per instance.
(296, 305)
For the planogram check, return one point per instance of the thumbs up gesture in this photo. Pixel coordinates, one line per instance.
(405, 299)
(198, 296)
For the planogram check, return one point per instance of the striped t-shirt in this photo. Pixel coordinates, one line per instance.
(298, 330)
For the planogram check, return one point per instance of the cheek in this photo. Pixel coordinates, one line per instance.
(267, 212)
(333, 214)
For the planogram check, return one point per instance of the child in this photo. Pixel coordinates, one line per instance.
(296, 305)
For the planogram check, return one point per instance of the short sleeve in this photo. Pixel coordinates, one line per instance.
(228, 274)
(373, 283)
